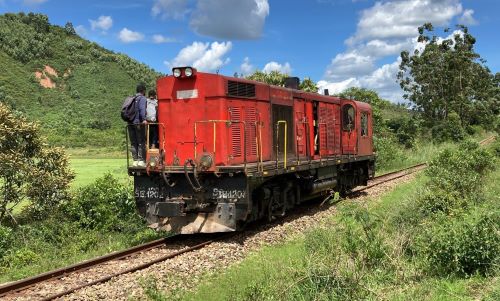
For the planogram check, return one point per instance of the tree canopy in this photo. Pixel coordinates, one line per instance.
(447, 76)
(29, 169)
(277, 78)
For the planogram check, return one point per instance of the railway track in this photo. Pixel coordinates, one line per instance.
(16, 288)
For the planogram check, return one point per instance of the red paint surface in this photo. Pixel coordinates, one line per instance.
(179, 117)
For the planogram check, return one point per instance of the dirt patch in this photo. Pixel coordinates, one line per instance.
(43, 78)
(50, 70)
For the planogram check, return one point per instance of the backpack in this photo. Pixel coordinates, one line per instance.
(129, 109)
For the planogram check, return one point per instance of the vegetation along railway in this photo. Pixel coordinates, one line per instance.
(234, 151)
(53, 281)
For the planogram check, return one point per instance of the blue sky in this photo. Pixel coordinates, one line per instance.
(338, 43)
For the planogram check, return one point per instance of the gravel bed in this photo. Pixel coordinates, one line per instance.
(184, 272)
(55, 286)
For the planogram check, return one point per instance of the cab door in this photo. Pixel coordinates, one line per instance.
(300, 127)
(349, 131)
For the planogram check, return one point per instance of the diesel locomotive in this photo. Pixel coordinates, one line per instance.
(232, 151)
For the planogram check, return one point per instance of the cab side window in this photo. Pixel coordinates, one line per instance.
(348, 115)
(364, 124)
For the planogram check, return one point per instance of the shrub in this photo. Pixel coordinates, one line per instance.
(495, 147)
(462, 247)
(5, 239)
(105, 204)
(389, 152)
(20, 257)
(460, 171)
(449, 129)
(405, 129)
(99, 124)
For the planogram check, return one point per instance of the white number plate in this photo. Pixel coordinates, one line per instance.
(183, 94)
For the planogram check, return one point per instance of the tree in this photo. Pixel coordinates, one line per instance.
(70, 30)
(448, 76)
(29, 169)
(277, 78)
(308, 85)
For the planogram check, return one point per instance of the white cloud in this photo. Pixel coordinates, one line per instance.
(382, 80)
(381, 48)
(159, 39)
(81, 30)
(349, 64)
(467, 18)
(224, 19)
(384, 30)
(129, 36)
(400, 19)
(170, 9)
(247, 68)
(337, 87)
(103, 22)
(202, 56)
(31, 2)
(274, 66)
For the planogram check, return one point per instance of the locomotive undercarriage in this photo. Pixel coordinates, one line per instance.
(226, 201)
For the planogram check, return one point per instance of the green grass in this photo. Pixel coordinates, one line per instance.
(423, 151)
(289, 272)
(33, 263)
(87, 170)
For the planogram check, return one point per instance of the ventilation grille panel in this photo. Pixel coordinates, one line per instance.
(239, 89)
(251, 134)
(236, 132)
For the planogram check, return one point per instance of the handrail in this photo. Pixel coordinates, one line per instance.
(277, 142)
(259, 145)
(147, 135)
(215, 135)
(147, 139)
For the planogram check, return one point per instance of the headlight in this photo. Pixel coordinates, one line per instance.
(177, 72)
(188, 72)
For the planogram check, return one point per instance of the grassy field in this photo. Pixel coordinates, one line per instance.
(355, 255)
(88, 169)
(92, 163)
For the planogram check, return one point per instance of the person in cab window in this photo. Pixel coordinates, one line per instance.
(137, 129)
(152, 118)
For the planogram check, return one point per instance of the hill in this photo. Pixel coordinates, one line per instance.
(72, 86)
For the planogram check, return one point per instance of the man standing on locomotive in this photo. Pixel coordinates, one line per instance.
(137, 128)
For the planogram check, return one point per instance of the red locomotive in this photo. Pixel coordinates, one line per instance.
(234, 150)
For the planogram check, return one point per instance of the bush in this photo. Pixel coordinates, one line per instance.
(106, 204)
(462, 247)
(495, 147)
(389, 152)
(460, 171)
(5, 240)
(450, 129)
(405, 129)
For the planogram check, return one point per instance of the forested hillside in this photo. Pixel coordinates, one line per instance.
(72, 86)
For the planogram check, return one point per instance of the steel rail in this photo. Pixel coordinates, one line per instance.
(134, 269)
(28, 282)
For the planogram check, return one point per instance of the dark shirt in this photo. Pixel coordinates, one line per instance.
(141, 108)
